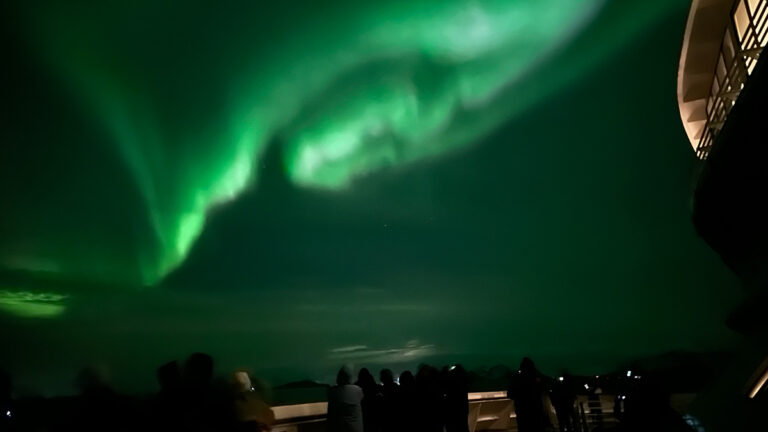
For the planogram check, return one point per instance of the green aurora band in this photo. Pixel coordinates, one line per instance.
(27, 304)
(192, 93)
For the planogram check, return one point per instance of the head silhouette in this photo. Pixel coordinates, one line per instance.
(386, 376)
(527, 367)
(365, 378)
(169, 376)
(198, 370)
(344, 376)
(458, 373)
(426, 375)
(407, 380)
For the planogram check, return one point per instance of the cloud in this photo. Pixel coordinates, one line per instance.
(347, 349)
(412, 350)
(32, 304)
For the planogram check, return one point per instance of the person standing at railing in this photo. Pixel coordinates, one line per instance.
(206, 403)
(252, 411)
(563, 398)
(167, 406)
(527, 392)
(407, 404)
(345, 413)
(430, 399)
(371, 403)
(456, 400)
(389, 391)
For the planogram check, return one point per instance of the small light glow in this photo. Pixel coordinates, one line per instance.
(586, 386)
(560, 379)
(623, 397)
(629, 373)
(637, 376)
(8, 413)
(452, 367)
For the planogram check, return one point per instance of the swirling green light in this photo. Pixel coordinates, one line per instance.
(192, 95)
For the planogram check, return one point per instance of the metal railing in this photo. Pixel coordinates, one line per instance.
(488, 411)
(743, 41)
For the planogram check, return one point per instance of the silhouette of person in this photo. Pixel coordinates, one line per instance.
(206, 407)
(456, 401)
(389, 412)
(430, 399)
(563, 398)
(253, 412)
(371, 403)
(526, 391)
(344, 411)
(408, 403)
(99, 407)
(618, 407)
(167, 406)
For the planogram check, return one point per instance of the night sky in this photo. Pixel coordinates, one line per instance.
(292, 187)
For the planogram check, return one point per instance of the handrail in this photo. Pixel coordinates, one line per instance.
(725, 92)
(303, 417)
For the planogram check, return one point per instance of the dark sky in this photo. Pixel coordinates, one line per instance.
(293, 188)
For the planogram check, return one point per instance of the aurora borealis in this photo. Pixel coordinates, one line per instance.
(351, 90)
(301, 165)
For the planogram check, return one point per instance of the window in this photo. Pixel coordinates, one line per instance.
(720, 69)
(741, 20)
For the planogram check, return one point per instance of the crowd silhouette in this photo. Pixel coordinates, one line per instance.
(437, 401)
(190, 398)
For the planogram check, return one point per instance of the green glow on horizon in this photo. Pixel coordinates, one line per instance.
(362, 89)
(27, 304)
